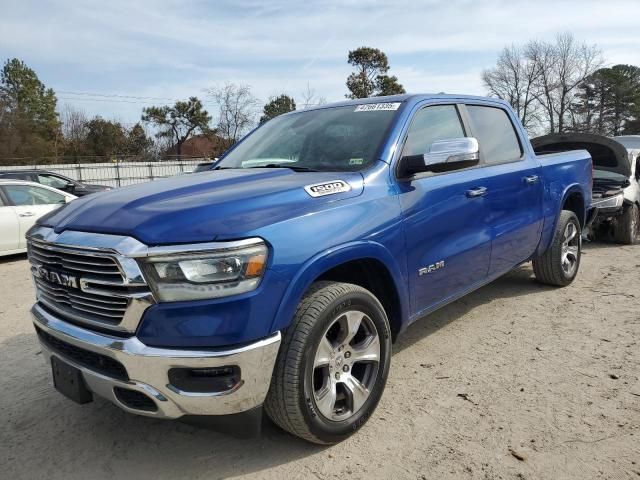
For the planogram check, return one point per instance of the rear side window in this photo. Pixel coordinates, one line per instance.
(438, 122)
(495, 133)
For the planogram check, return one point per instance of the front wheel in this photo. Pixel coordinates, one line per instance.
(333, 364)
(560, 263)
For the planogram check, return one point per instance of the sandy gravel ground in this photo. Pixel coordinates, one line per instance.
(515, 381)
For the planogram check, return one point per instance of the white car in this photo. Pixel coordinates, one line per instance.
(21, 204)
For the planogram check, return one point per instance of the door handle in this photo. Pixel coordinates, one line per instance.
(26, 214)
(476, 192)
(531, 179)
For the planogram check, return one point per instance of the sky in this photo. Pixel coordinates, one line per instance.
(114, 58)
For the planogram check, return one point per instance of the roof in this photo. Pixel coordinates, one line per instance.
(26, 170)
(408, 98)
(17, 181)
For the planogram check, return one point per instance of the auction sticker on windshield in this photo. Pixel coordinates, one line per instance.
(374, 107)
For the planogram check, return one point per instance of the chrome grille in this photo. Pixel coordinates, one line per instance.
(109, 309)
(72, 261)
(99, 295)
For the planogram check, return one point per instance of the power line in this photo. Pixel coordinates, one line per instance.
(76, 99)
(113, 95)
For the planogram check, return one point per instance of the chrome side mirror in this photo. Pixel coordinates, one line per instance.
(442, 156)
(452, 150)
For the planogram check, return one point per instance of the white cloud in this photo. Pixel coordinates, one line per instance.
(173, 48)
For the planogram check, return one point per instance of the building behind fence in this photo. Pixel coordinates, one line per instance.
(116, 173)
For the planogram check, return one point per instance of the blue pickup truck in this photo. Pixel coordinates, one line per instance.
(279, 279)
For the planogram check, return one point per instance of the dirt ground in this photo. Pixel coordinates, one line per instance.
(515, 381)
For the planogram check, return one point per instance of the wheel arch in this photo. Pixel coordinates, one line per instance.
(573, 200)
(367, 264)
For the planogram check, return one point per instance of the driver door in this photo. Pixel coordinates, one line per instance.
(446, 221)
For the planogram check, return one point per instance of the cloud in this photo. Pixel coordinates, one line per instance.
(176, 48)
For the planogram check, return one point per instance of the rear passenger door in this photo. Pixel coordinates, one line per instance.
(514, 187)
(448, 236)
(30, 203)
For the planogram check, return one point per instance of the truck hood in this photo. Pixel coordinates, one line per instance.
(202, 207)
(607, 153)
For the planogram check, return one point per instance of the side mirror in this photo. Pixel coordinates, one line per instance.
(70, 187)
(443, 156)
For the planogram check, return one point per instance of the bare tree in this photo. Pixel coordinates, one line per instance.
(74, 129)
(564, 65)
(514, 79)
(309, 98)
(237, 110)
(541, 80)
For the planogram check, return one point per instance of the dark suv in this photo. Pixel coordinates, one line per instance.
(55, 180)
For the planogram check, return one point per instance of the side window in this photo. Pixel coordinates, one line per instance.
(437, 122)
(52, 181)
(17, 176)
(495, 134)
(638, 168)
(27, 195)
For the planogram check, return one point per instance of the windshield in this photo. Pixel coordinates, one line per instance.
(332, 139)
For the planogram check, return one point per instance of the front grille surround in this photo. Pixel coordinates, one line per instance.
(96, 288)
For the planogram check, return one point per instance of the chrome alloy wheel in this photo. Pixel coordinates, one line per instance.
(570, 249)
(345, 365)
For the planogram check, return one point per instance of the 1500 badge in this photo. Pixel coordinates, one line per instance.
(327, 188)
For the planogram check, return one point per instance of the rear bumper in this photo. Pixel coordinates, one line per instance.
(147, 368)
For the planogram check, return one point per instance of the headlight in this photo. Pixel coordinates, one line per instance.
(610, 202)
(203, 275)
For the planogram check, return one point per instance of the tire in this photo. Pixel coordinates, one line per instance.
(301, 392)
(550, 267)
(626, 231)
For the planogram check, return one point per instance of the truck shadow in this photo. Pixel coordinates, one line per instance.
(18, 257)
(517, 283)
(40, 430)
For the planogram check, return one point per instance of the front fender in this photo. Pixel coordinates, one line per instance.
(333, 257)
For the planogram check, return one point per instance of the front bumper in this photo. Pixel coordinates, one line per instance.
(147, 369)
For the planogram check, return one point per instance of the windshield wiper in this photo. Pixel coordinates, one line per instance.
(292, 167)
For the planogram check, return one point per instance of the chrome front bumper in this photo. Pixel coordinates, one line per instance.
(148, 367)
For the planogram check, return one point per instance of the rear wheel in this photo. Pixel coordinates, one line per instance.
(626, 230)
(333, 364)
(560, 263)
